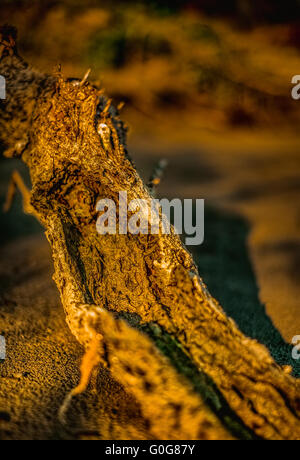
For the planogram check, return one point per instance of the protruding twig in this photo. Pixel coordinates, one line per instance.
(120, 106)
(157, 175)
(85, 78)
(107, 107)
(18, 183)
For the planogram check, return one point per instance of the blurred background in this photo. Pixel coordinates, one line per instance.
(207, 85)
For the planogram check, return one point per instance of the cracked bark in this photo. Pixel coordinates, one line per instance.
(164, 337)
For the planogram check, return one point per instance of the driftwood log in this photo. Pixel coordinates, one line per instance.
(136, 302)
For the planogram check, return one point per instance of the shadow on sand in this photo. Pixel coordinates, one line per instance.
(224, 264)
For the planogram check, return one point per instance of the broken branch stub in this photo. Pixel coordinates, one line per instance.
(142, 293)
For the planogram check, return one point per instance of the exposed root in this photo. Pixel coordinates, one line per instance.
(90, 361)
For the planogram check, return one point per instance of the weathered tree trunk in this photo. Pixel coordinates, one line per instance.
(137, 298)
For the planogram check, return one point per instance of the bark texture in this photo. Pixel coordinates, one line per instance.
(164, 337)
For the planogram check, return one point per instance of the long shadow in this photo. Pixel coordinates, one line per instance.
(225, 266)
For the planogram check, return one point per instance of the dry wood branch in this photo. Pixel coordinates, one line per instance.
(164, 337)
